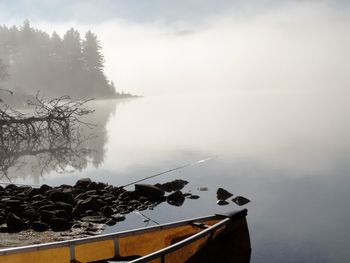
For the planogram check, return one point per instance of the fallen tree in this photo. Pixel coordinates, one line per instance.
(52, 126)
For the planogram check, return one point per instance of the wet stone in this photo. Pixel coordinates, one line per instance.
(83, 183)
(193, 197)
(44, 188)
(39, 226)
(60, 224)
(14, 223)
(176, 198)
(222, 194)
(222, 202)
(94, 219)
(240, 200)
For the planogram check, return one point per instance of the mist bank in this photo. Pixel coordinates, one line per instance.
(33, 61)
(290, 47)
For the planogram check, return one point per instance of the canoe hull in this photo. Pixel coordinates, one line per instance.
(208, 239)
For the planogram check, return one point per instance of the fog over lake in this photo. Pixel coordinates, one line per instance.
(264, 91)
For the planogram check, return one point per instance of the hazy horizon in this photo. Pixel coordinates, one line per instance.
(290, 47)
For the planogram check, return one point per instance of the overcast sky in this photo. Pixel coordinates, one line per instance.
(162, 46)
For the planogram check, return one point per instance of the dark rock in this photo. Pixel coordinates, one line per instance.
(40, 203)
(174, 185)
(63, 215)
(89, 213)
(13, 202)
(107, 211)
(60, 224)
(92, 186)
(44, 188)
(126, 195)
(65, 187)
(32, 192)
(48, 207)
(58, 196)
(176, 198)
(240, 200)
(14, 223)
(111, 222)
(11, 187)
(30, 215)
(193, 197)
(222, 194)
(118, 218)
(91, 203)
(46, 216)
(143, 199)
(94, 219)
(82, 196)
(38, 197)
(83, 183)
(39, 226)
(67, 207)
(222, 202)
(150, 191)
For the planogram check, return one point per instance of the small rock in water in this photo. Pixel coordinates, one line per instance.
(111, 222)
(150, 191)
(193, 197)
(176, 198)
(222, 194)
(203, 188)
(240, 200)
(222, 202)
(174, 185)
(118, 218)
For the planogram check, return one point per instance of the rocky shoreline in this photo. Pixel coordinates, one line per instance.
(82, 207)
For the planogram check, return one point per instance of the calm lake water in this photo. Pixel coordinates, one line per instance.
(286, 152)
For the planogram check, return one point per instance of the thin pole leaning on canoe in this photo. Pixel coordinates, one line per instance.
(168, 171)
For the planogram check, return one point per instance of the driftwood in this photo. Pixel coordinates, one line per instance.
(50, 132)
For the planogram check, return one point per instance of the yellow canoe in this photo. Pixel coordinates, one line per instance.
(217, 238)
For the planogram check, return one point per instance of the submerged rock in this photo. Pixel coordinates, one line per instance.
(222, 202)
(240, 200)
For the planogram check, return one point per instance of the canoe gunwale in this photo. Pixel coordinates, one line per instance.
(78, 241)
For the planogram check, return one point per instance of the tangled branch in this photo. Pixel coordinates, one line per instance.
(52, 128)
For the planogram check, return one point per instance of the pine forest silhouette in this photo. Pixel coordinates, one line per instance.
(31, 60)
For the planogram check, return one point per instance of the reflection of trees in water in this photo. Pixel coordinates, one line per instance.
(54, 151)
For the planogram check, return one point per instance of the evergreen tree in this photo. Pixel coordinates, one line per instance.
(91, 51)
(72, 49)
(56, 66)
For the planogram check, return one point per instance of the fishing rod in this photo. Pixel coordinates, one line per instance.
(168, 171)
(139, 180)
(146, 217)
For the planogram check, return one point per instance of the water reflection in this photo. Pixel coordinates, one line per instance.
(59, 153)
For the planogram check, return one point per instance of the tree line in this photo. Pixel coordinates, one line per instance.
(31, 60)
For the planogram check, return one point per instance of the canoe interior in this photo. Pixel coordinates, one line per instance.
(208, 239)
